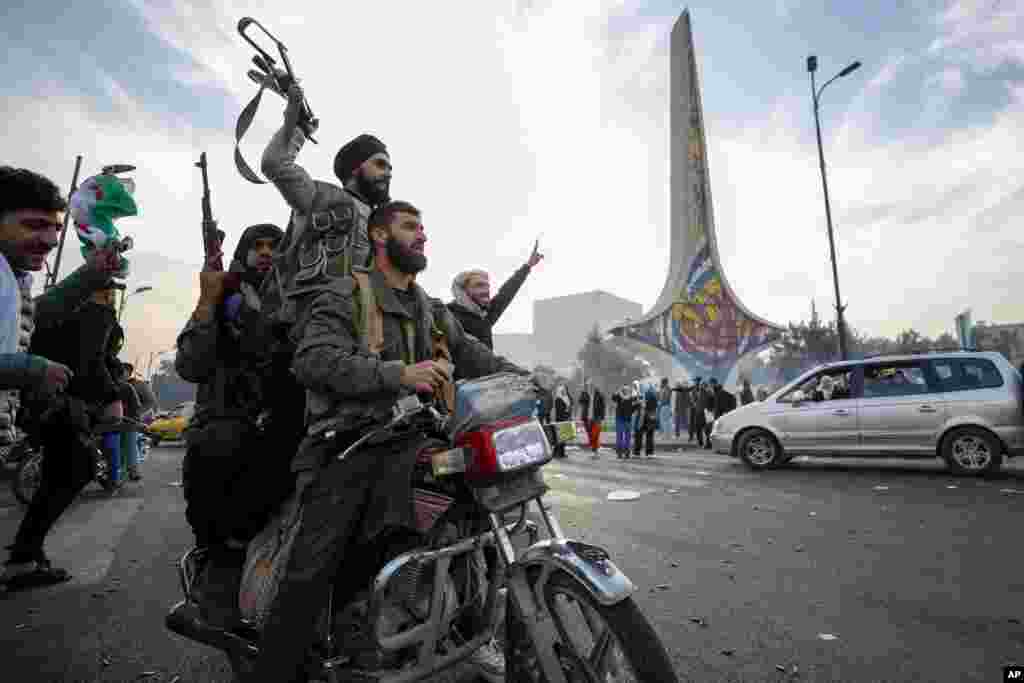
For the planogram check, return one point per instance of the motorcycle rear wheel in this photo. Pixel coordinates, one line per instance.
(27, 479)
(607, 642)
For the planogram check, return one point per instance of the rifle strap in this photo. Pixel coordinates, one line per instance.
(370, 316)
(241, 128)
(370, 319)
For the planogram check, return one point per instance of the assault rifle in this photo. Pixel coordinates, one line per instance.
(213, 238)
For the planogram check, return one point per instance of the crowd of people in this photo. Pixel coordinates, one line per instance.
(644, 409)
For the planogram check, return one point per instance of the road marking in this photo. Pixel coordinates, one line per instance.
(85, 541)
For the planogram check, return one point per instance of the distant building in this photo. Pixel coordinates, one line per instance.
(560, 328)
(1007, 339)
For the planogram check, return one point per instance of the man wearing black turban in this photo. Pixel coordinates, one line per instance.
(327, 233)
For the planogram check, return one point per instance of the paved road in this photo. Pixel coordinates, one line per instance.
(912, 574)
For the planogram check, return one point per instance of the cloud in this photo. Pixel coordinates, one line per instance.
(892, 67)
(986, 34)
(509, 120)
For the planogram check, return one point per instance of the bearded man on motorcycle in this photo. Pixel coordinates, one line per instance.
(352, 387)
(247, 415)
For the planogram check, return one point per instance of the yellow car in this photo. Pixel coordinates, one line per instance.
(172, 426)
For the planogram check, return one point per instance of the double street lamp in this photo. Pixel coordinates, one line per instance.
(812, 66)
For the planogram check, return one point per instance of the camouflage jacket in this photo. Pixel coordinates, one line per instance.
(347, 386)
(326, 234)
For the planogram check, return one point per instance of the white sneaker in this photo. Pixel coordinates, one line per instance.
(490, 662)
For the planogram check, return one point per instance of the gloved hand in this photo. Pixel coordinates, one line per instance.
(293, 113)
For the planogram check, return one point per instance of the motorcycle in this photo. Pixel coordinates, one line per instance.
(568, 612)
(28, 476)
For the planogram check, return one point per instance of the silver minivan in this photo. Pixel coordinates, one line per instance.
(964, 407)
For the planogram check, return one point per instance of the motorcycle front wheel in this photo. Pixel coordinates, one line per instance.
(596, 643)
(28, 477)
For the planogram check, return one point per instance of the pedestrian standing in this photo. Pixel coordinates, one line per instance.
(664, 407)
(646, 422)
(624, 404)
(681, 392)
(563, 413)
(584, 401)
(697, 418)
(746, 395)
(597, 414)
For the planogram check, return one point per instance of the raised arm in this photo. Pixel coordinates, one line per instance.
(278, 164)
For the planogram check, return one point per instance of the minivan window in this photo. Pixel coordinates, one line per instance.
(966, 374)
(894, 379)
(830, 385)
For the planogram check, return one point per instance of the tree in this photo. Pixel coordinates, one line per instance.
(804, 345)
(606, 366)
(911, 341)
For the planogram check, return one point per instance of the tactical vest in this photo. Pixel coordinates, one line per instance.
(320, 246)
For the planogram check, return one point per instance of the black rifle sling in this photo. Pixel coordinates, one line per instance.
(241, 128)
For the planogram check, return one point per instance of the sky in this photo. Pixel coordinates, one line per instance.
(512, 120)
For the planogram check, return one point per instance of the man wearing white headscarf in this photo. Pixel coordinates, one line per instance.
(473, 305)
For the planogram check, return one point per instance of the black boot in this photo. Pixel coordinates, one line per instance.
(216, 589)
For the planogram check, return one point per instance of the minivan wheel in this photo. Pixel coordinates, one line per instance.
(759, 449)
(972, 451)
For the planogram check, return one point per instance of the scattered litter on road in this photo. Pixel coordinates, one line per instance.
(663, 587)
(148, 674)
(176, 678)
(952, 486)
(796, 670)
(20, 626)
(702, 472)
(734, 544)
(827, 636)
(728, 653)
(175, 483)
(812, 514)
(881, 488)
(105, 660)
(755, 507)
(675, 564)
(1013, 620)
(728, 562)
(799, 548)
(673, 490)
(1010, 491)
(623, 495)
(781, 668)
(699, 621)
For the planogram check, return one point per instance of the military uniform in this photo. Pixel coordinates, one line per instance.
(349, 387)
(326, 234)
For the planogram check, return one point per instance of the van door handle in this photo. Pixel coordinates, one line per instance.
(926, 409)
(841, 412)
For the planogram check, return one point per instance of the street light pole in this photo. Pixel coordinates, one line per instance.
(812, 66)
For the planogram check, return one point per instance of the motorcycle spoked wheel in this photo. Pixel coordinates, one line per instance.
(27, 479)
(596, 643)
